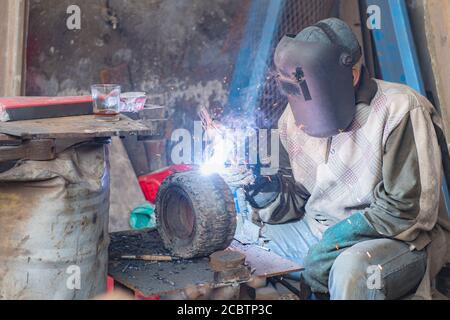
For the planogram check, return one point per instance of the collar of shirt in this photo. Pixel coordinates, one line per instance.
(366, 89)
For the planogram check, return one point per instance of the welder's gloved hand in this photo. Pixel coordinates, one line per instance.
(277, 199)
(263, 191)
(335, 240)
(238, 177)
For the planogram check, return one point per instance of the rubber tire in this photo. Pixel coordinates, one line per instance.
(214, 209)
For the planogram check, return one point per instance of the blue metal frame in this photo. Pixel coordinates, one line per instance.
(254, 55)
(394, 44)
(396, 53)
(405, 40)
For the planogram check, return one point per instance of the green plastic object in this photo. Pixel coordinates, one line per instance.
(143, 217)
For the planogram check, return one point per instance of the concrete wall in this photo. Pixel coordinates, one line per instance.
(181, 53)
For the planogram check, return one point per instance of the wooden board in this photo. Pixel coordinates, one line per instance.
(126, 194)
(13, 25)
(437, 28)
(80, 127)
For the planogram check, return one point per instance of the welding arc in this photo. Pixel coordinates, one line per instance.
(196, 214)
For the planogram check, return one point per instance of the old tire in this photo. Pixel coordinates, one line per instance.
(195, 214)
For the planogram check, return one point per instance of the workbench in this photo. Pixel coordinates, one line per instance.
(38, 139)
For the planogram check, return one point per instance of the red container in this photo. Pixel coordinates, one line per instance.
(150, 183)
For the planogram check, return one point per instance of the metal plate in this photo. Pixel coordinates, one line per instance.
(153, 278)
(157, 278)
(265, 263)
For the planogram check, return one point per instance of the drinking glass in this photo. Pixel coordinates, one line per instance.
(106, 99)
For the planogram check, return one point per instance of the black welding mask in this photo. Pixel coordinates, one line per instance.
(317, 79)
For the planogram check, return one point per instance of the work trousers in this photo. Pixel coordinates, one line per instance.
(381, 269)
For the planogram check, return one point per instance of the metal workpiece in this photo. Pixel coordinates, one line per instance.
(54, 226)
(227, 259)
(233, 275)
(229, 266)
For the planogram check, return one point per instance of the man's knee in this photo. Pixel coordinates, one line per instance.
(349, 276)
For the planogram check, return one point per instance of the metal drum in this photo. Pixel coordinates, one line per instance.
(54, 226)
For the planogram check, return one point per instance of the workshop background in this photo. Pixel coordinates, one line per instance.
(185, 55)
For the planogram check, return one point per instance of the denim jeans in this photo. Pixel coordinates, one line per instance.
(381, 269)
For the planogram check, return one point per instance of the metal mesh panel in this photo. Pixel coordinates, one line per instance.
(297, 15)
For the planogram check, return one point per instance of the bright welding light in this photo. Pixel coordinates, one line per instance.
(224, 149)
(218, 153)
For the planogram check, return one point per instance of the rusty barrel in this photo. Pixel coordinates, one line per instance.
(54, 226)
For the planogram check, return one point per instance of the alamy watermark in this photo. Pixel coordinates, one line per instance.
(374, 17)
(374, 279)
(237, 147)
(73, 22)
(73, 281)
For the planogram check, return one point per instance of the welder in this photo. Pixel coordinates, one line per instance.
(357, 199)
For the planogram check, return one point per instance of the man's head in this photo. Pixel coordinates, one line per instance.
(318, 70)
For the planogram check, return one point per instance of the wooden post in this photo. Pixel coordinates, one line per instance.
(13, 27)
(437, 28)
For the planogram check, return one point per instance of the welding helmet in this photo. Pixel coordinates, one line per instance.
(317, 78)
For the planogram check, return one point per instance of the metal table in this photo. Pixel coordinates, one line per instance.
(149, 279)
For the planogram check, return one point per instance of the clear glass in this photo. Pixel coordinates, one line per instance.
(106, 99)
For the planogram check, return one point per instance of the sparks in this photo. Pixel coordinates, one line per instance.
(217, 155)
(222, 145)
